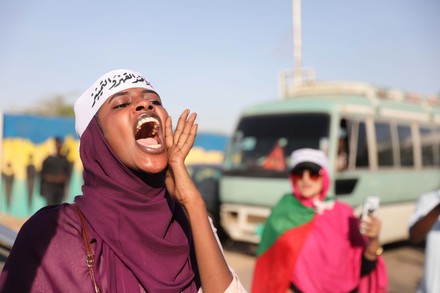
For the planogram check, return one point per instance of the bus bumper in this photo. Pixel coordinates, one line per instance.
(243, 223)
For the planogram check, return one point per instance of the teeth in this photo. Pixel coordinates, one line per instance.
(148, 119)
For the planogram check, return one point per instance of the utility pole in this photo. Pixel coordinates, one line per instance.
(296, 76)
(297, 43)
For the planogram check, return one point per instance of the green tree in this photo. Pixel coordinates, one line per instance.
(56, 105)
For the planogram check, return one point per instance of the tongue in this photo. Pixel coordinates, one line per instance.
(147, 141)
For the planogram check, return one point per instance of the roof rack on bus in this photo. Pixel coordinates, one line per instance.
(373, 93)
(313, 88)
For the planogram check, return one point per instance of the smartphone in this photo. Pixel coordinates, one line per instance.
(371, 204)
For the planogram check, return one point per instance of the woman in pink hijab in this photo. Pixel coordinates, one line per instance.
(312, 243)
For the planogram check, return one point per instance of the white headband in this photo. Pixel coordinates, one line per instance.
(107, 85)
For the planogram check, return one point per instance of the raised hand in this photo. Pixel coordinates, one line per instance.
(371, 226)
(214, 272)
(178, 144)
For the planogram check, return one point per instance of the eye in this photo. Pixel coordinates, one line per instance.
(120, 102)
(156, 102)
(121, 106)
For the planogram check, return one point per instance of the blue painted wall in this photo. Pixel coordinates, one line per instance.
(28, 140)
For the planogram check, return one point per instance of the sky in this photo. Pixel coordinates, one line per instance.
(213, 57)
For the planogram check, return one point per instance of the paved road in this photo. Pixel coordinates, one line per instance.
(404, 265)
(404, 262)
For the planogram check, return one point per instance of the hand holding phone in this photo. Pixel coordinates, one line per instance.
(371, 204)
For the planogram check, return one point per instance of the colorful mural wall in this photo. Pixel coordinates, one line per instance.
(27, 140)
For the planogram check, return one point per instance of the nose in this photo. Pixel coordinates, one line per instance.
(306, 174)
(143, 104)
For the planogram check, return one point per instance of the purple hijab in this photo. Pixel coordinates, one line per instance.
(142, 236)
(139, 235)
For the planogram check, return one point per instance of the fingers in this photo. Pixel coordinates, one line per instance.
(169, 141)
(187, 136)
(185, 133)
(181, 123)
(370, 227)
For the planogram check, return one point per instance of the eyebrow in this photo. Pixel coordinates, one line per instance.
(125, 93)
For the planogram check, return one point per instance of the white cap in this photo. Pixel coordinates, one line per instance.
(306, 155)
(107, 85)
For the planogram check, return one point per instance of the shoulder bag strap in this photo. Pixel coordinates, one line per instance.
(90, 256)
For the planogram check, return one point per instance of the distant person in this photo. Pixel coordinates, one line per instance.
(30, 178)
(55, 175)
(312, 243)
(342, 157)
(8, 175)
(424, 224)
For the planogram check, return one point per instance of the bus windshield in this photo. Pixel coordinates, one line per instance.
(261, 145)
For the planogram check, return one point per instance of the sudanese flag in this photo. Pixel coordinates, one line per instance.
(284, 235)
(275, 160)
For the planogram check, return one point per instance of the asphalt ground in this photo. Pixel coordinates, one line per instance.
(404, 262)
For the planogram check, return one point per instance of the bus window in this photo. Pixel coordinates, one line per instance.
(262, 145)
(384, 144)
(362, 158)
(428, 146)
(405, 146)
(342, 155)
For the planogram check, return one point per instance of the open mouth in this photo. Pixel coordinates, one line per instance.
(147, 132)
